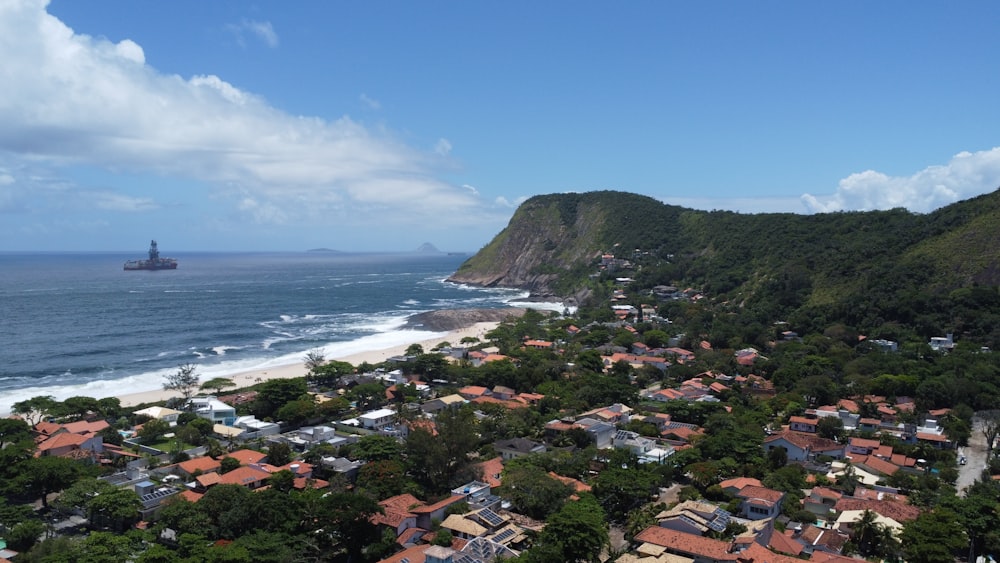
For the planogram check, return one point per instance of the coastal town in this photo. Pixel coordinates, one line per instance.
(602, 436)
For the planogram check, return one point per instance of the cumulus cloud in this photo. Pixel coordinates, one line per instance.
(263, 31)
(964, 176)
(72, 99)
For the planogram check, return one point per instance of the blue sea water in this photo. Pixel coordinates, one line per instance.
(77, 324)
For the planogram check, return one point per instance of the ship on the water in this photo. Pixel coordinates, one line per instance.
(154, 262)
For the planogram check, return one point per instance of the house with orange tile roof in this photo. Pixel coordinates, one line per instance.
(199, 465)
(803, 447)
(538, 344)
(813, 538)
(470, 392)
(699, 549)
(67, 443)
(900, 511)
(249, 476)
(491, 470)
(735, 485)
(246, 457)
(821, 501)
(397, 513)
(862, 446)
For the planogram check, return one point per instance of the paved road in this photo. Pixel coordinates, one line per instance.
(975, 458)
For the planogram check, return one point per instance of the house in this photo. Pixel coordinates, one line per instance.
(694, 517)
(632, 441)
(517, 447)
(212, 409)
(803, 447)
(760, 503)
(814, 538)
(862, 446)
(600, 432)
(942, 343)
(377, 419)
(160, 413)
(342, 466)
(802, 424)
(199, 466)
(249, 476)
(247, 457)
(821, 501)
(397, 514)
(470, 392)
(735, 485)
(695, 548)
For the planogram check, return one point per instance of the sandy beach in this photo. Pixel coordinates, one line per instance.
(246, 379)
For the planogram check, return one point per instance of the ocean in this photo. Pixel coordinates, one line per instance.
(77, 324)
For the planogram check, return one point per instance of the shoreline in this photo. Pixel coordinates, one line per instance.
(290, 371)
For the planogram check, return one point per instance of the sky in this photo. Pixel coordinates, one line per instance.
(370, 126)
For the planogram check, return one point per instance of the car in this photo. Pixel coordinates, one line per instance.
(962, 460)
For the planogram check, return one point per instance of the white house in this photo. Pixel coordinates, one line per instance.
(212, 409)
(161, 413)
(377, 419)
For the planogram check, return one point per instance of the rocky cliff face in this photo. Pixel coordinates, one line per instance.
(544, 239)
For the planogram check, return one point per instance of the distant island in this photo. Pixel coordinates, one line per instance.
(428, 248)
(324, 250)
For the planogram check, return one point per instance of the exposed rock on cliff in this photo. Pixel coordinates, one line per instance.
(452, 319)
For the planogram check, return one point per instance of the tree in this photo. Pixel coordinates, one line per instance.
(184, 381)
(990, 421)
(576, 532)
(283, 480)
(375, 447)
(117, 508)
(621, 490)
(279, 453)
(153, 430)
(13, 430)
(35, 409)
(414, 349)
(217, 384)
(45, 475)
(440, 462)
(228, 464)
(314, 358)
(935, 536)
(329, 373)
(275, 393)
(532, 491)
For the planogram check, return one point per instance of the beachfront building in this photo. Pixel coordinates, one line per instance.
(212, 409)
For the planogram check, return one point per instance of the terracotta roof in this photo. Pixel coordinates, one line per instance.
(244, 475)
(784, 544)
(752, 492)
(302, 483)
(83, 426)
(739, 483)
(246, 457)
(62, 440)
(578, 486)
(686, 543)
(880, 465)
(825, 557)
(825, 492)
(413, 554)
(439, 505)
(756, 553)
(898, 511)
(191, 496)
(47, 428)
(204, 464)
(803, 440)
(492, 468)
(472, 390)
(865, 443)
(931, 437)
(208, 479)
(831, 539)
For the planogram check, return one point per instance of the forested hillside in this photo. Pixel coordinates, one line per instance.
(885, 272)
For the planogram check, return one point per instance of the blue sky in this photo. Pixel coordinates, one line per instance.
(381, 125)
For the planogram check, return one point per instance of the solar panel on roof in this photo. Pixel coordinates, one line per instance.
(505, 534)
(491, 517)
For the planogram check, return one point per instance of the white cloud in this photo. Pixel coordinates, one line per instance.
(442, 147)
(965, 175)
(72, 99)
(112, 201)
(371, 103)
(504, 202)
(472, 189)
(262, 30)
